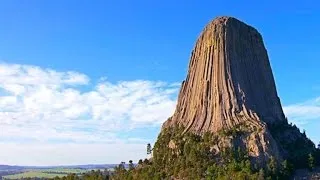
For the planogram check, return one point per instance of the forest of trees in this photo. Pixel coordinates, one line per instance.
(192, 159)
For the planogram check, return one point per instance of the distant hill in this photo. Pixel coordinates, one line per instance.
(10, 168)
(86, 166)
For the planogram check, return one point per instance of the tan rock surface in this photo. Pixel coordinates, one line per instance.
(229, 81)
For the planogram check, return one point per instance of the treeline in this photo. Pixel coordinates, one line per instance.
(34, 178)
(91, 175)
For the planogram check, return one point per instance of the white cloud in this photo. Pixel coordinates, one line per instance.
(16, 74)
(44, 106)
(302, 113)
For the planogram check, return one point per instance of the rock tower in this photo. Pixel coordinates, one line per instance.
(230, 86)
(229, 80)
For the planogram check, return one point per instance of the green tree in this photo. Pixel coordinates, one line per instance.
(261, 174)
(272, 166)
(72, 177)
(120, 172)
(311, 162)
(146, 161)
(131, 165)
(149, 148)
(286, 168)
(122, 165)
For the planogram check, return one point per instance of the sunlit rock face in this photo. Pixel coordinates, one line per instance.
(230, 84)
(229, 80)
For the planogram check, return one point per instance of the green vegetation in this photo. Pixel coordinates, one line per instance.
(311, 163)
(33, 174)
(91, 175)
(131, 165)
(149, 148)
(187, 155)
(317, 156)
(237, 130)
(65, 171)
(297, 145)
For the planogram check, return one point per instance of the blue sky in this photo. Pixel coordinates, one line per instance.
(99, 77)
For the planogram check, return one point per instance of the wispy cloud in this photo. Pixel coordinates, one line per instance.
(45, 106)
(302, 113)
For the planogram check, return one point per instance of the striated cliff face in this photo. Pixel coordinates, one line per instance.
(230, 86)
(229, 80)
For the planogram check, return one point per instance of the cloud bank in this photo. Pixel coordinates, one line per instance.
(47, 108)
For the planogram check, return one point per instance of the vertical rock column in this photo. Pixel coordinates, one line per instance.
(229, 81)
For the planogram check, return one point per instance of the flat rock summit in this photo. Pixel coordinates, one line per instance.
(230, 87)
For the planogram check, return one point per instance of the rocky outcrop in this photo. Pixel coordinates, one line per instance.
(229, 80)
(230, 84)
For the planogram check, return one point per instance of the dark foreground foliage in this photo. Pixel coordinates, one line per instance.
(297, 145)
(190, 157)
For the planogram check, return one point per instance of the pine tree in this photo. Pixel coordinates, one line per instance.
(304, 133)
(131, 165)
(286, 168)
(311, 162)
(149, 149)
(261, 174)
(122, 165)
(146, 161)
(272, 166)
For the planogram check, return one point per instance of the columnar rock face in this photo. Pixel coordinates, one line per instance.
(229, 81)
(230, 85)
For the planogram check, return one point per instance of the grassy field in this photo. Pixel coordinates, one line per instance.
(65, 170)
(32, 174)
(45, 173)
